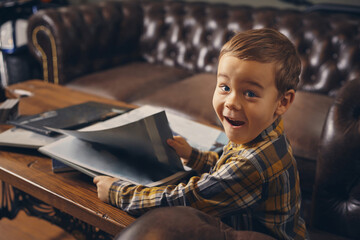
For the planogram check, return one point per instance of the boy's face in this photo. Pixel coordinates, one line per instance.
(246, 98)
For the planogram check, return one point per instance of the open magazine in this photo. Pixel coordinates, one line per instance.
(132, 146)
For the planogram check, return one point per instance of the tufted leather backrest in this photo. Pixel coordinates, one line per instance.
(337, 185)
(190, 35)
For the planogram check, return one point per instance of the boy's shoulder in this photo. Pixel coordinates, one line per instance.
(270, 158)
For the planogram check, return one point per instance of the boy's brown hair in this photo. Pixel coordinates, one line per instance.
(267, 45)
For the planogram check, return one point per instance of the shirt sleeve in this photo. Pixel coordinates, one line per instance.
(234, 186)
(202, 161)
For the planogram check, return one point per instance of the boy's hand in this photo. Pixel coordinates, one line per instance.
(182, 148)
(103, 184)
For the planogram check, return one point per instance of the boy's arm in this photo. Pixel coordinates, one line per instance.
(236, 185)
(197, 160)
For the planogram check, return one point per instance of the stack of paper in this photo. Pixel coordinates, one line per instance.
(133, 146)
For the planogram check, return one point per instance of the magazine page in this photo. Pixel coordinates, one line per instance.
(94, 161)
(148, 135)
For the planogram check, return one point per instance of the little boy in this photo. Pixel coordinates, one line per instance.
(254, 185)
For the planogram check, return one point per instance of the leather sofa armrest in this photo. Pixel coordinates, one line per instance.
(337, 185)
(76, 40)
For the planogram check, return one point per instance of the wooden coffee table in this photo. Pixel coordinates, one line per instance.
(66, 199)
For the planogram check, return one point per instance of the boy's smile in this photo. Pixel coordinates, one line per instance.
(246, 99)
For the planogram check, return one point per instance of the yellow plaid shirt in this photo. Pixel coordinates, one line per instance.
(253, 186)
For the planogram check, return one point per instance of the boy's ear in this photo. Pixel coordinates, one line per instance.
(285, 101)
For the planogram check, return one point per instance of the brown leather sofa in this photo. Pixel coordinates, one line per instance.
(165, 53)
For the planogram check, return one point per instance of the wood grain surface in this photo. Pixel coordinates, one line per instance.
(29, 171)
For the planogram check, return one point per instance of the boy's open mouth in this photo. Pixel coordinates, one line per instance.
(234, 122)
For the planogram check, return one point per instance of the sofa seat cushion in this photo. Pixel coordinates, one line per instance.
(191, 98)
(137, 80)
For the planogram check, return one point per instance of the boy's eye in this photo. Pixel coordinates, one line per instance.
(225, 88)
(250, 94)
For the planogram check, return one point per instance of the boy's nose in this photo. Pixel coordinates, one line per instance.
(233, 102)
